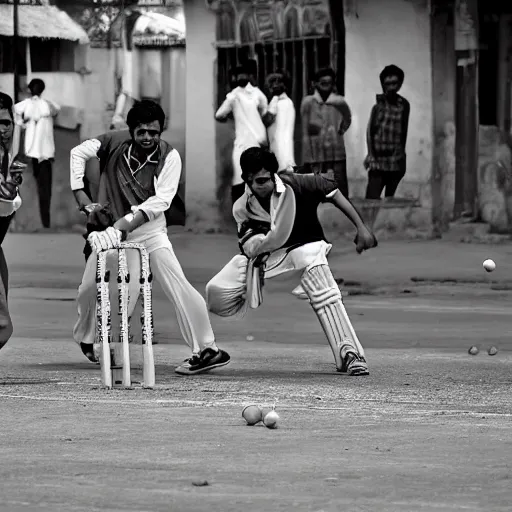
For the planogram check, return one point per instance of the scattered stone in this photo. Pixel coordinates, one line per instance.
(492, 351)
(473, 351)
(200, 483)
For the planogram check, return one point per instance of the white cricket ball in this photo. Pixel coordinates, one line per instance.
(489, 265)
(250, 338)
(271, 419)
(252, 414)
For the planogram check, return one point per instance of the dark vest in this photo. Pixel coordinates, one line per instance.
(175, 215)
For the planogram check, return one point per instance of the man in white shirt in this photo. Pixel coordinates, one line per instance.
(139, 180)
(281, 121)
(36, 115)
(248, 105)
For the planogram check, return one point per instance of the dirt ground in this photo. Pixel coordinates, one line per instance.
(429, 429)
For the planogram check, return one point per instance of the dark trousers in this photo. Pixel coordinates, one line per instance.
(338, 168)
(380, 180)
(5, 317)
(237, 191)
(43, 176)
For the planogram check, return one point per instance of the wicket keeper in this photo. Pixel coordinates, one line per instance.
(139, 183)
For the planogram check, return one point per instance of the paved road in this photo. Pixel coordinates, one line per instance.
(429, 429)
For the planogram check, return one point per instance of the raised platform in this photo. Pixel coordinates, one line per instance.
(370, 208)
(395, 202)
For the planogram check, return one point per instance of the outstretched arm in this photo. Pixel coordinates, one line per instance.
(365, 239)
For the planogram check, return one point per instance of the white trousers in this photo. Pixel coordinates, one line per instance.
(226, 292)
(188, 303)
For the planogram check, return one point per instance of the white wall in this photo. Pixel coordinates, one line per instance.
(7, 84)
(200, 97)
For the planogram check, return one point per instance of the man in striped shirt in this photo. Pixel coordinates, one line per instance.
(386, 136)
(326, 117)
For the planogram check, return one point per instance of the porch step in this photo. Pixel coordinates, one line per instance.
(474, 232)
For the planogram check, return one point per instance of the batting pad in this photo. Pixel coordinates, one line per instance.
(325, 298)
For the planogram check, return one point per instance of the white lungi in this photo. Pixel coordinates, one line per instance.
(190, 306)
(226, 292)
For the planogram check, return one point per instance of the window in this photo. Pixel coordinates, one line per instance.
(301, 58)
(46, 55)
(6, 55)
(279, 35)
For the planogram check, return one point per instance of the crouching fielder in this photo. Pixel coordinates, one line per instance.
(279, 232)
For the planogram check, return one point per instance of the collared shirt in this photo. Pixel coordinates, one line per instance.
(253, 206)
(135, 164)
(290, 224)
(166, 183)
(248, 105)
(280, 132)
(387, 134)
(324, 123)
(36, 114)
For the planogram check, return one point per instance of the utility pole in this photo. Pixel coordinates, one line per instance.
(466, 109)
(15, 40)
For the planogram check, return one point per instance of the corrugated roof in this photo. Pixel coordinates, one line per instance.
(46, 22)
(155, 29)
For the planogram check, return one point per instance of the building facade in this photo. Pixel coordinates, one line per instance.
(301, 36)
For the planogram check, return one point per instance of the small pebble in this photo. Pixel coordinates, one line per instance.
(200, 483)
(492, 351)
(473, 350)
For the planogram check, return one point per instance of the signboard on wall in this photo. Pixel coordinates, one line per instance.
(466, 27)
(263, 20)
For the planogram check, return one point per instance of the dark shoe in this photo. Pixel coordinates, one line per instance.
(88, 351)
(354, 365)
(207, 360)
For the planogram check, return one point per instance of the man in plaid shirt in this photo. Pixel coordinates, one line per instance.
(386, 136)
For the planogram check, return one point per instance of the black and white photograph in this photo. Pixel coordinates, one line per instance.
(256, 255)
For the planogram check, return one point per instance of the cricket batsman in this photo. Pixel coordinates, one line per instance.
(279, 231)
(139, 181)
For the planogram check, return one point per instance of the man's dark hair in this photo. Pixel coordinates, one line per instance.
(287, 81)
(240, 70)
(253, 160)
(325, 72)
(36, 86)
(6, 103)
(144, 112)
(392, 70)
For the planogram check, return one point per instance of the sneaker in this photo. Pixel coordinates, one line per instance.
(207, 360)
(354, 365)
(88, 351)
